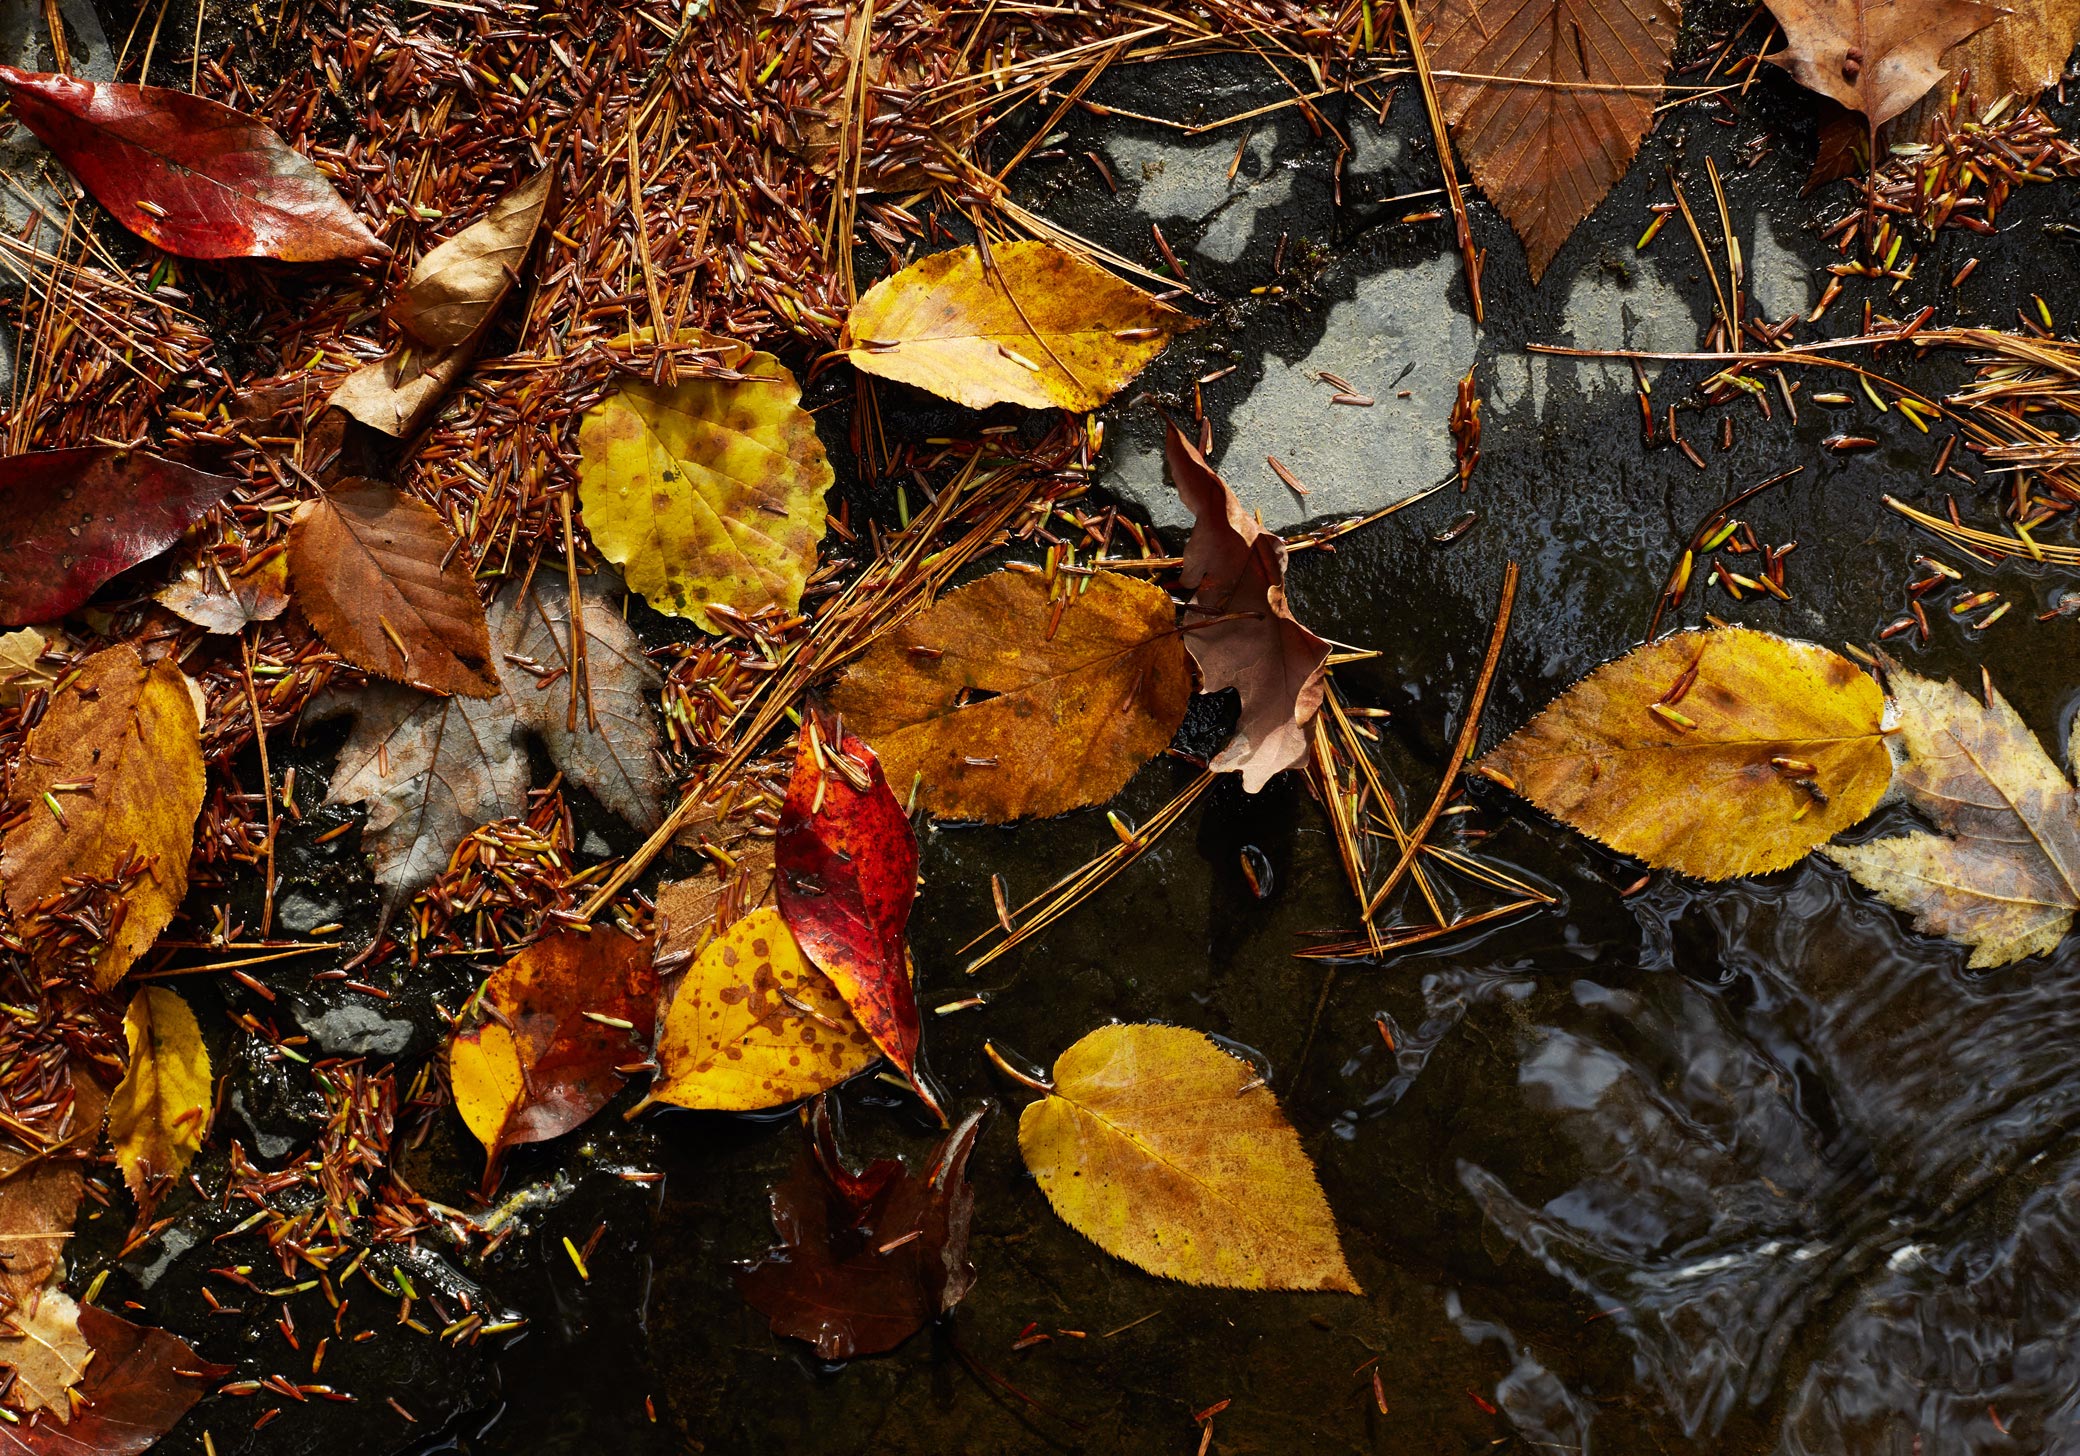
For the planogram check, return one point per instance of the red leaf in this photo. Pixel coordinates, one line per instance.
(71, 519)
(132, 1395)
(865, 1258)
(848, 872)
(189, 175)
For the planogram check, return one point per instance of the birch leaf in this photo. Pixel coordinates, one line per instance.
(48, 1355)
(1166, 1151)
(2002, 875)
(1874, 56)
(160, 1111)
(1720, 753)
(1043, 328)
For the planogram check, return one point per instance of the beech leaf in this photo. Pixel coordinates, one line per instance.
(1715, 753)
(1168, 1152)
(2002, 874)
(379, 576)
(866, 1259)
(187, 174)
(1010, 705)
(71, 519)
(47, 1352)
(138, 1385)
(129, 734)
(1244, 636)
(1874, 56)
(160, 1111)
(1040, 328)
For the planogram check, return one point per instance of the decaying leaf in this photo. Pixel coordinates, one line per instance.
(187, 174)
(230, 599)
(866, 1259)
(552, 1024)
(847, 865)
(1042, 328)
(379, 576)
(2002, 875)
(453, 291)
(1165, 1150)
(753, 1025)
(709, 491)
(48, 1354)
(1245, 636)
(739, 878)
(71, 519)
(21, 665)
(1008, 709)
(138, 1385)
(1874, 56)
(1716, 753)
(43, 1193)
(1546, 151)
(160, 1111)
(113, 774)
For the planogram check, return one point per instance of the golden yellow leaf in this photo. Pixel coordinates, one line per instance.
(707, 491)
(119, 755)
(1170, 1153)
(49, 1356)
(1005, 720)
(160, 1110)
(1043, 328)
(755, 1025)
(2003, 873)
(1716, 753)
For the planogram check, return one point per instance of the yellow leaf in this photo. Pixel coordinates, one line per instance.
(1720, 753)
(160, 1110)
(1170, 1153)
(1043, 329)
(707, 491)
(48, 1357)
(755, 1025)
(1009, 712)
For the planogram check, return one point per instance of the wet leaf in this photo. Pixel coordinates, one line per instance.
(160, 1111)
(21, 665)
(119, 753)
(188, 175)
(2002, 874)
(1006, 711)
(47, 1352)
(847, 864)
(708, 491)
(42, 1195)
(1720, 753)
(380, 577)
(71, 519)
(257, 591)
(739, 878)
(753, 1025)
(1547, 152)
(1170, 1153)
(536, 1061)
(1043, 328)
(1237, 572)
(866, 1259)
(2022, 54)
(1874, 56)
(133, 1393)
(454, 290)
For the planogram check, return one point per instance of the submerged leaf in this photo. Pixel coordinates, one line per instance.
(160, 1111)
(1170, 1153)
(139, 1384)
(47, 1353)
(2002, 875)
(1874, 56)
(1040, 328)
(1009, 711)
(1717, 753)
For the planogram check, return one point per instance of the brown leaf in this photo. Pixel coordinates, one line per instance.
(135, 1391)
(1874, 56)
(2020, 55)
(22, 669)
(42, 1198)
(47, 1353)
(380, 577)
(1005, 718)
(399, 392)
(1546, 153)
(1237, 569)
(129, 734)
(453, 291)
(257, 591)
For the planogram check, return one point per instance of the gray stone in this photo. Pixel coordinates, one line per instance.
(1630, 306)
(1169, 180)
(163, 1250)
(1778, 279)
(299, 912)
(360, 1031)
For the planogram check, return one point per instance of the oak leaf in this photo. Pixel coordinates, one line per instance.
(71, 519)
(709, 491)
(138, 1385)
(187, 174)
(21, 665)
(1715, 753)
(230, 602)
(160, 1111)
(2002, 875)
(753, 1024)
(1166, 1151)
(43, 1193)
(1874, 56)
(866, 1259)
(1008, 710)
(1035, 325)
(2020, 55)
(48, 1354)
(119, 755)
(1548, 101)
(380, 577)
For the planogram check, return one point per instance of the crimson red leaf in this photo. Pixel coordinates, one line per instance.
(187, 174)
(131, 1394)
(848, 872)
(865, 1258)
(71, 519)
